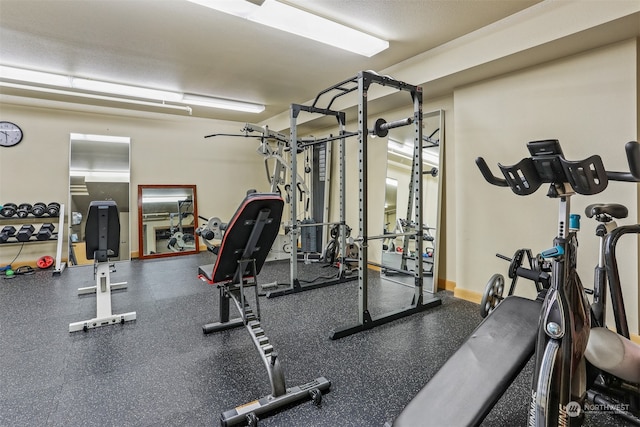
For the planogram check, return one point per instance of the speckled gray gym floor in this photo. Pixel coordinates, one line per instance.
(161, 370)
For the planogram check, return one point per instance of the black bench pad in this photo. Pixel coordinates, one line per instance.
(107, 240)
(237, 235)
(467, 386)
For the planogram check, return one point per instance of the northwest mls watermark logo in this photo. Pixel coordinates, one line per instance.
(574, 409)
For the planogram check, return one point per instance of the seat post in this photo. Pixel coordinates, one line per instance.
(242, 266)
(224, 304)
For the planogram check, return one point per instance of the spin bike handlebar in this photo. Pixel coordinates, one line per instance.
(547, 164)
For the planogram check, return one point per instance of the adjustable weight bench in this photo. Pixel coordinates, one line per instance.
(244, 248)
(470, 383)
(102, 235)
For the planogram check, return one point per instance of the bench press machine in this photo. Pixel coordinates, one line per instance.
(102, 233)
(244, 248)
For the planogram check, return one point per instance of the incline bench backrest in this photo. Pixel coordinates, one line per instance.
(238, 231)
(102, 231)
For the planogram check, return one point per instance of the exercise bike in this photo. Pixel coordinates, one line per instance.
(618, 393)
(554, 328)
(560, 382)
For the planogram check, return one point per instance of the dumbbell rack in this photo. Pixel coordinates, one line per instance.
(57, 235)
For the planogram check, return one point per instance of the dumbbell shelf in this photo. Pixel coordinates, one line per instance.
(46, 231)
(25, 210)
(37, 222)
(14, 240)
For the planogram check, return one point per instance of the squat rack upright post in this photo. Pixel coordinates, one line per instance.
(364, 80)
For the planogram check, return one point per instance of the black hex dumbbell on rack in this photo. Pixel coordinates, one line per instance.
(25, 233)
(7, 231)
(46, 231)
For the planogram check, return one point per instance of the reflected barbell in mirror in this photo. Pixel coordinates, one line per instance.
(433, 172)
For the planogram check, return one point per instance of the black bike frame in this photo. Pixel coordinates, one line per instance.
(564, 325)
(611, 263)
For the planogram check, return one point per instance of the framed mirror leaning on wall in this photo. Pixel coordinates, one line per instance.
(99, 169)
(167, 219)
(399, 253)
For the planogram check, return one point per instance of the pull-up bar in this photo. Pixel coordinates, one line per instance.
(307, 142)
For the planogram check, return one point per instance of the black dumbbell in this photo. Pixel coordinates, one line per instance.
(7, 231)
(53, 209)
(8, 210)
(39, 209)
(25, 232)
(24, 210)
(46, 231)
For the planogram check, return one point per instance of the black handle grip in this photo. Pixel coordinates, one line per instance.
(488, 175)
(633, 158)
(536, 276)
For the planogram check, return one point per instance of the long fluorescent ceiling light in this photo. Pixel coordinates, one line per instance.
(296, 21)
(138, 92)
(58, 80)
(226, 104)
(94, 96)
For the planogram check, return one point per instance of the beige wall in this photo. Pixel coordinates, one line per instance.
(589, 103)
(165, 149)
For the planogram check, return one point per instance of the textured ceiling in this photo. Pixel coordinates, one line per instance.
(181, 46)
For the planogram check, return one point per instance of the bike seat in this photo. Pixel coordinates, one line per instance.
(613, 209)
(614, 353)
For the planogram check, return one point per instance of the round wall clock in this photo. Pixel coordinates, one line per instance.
(10, 134)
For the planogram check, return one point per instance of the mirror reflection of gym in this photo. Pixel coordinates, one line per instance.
(397, 253)
(99, 169)
(167, 220)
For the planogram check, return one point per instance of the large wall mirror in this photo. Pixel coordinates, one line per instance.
(99, 169)
(399, 253)
(167, 219)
